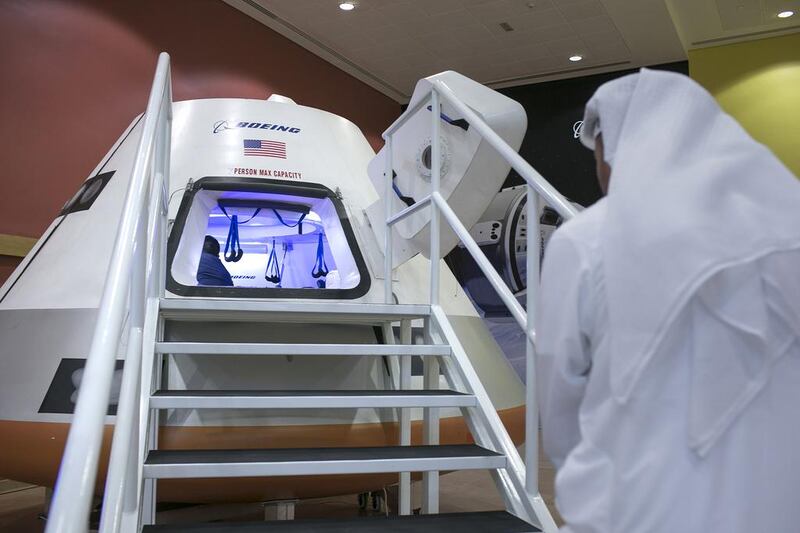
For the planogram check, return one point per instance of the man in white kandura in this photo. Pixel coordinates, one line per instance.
(669, 324)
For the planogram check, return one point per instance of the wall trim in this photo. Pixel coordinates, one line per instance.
(746, 37)
(16, 245)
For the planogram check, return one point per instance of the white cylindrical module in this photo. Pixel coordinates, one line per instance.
(470, 170)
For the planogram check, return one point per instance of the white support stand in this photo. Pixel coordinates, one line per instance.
(430, 429)
(405, 418)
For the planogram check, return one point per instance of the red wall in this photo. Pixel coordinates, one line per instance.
(74, 74)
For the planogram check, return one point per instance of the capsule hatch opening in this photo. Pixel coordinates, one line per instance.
(283, 240)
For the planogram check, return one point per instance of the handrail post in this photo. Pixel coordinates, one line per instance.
(121, 487)
(163, 161)
(533, 241)
(404, 492)
(430, 480)
(436, 165)
(430, 427)
(387, 242)
(159, 219)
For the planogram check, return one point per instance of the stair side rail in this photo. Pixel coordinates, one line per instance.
(124, 295)
(537, 188)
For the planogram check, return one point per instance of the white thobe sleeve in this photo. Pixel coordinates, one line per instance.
(563, 355)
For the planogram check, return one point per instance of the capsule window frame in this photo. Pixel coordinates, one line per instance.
(307, 189)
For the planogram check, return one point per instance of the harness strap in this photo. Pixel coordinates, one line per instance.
(252, 217)
(283, 259)
(232, 242)
(298, 224)
(273, 273)
(320, 268)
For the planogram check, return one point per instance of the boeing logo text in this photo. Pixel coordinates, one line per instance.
(222, 125)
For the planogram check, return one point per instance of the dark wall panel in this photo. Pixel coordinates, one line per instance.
(549, 145)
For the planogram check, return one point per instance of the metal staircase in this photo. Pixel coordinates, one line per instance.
(134, 307)
(403, 458)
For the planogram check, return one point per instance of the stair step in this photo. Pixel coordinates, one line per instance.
(317, 461)
(356, 350)
(491, 521)
(211, 309)
(307, 399)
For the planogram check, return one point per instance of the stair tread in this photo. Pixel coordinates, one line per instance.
(310, 399)
(300, 349)
(304, 393)
(290, 455)
(479, 522)
(248, 309)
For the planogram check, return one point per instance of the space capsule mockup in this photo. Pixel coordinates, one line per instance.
(285, 190)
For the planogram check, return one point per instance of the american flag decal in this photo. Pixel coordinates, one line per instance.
(265, 148)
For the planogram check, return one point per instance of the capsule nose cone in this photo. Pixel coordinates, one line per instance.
(280, 99)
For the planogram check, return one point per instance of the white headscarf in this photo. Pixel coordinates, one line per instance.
(696, 207)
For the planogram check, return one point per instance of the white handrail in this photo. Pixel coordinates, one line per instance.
(122, 493)
(436, 167)
(537, 187)
(534, 245)
(482, 261)
(408, 211)
(406, 115)
(550, 195)
(123, 294)
(387, 241)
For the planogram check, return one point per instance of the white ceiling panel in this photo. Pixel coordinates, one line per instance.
(390, 44)
(582, 10)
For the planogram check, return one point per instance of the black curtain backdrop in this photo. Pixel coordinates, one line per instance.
(549, 145)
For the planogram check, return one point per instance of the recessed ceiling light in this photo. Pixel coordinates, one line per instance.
(785, 14)
(575, 58)
(347, 6)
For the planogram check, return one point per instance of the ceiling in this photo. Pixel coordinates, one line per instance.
(715, 22)
(390, 44)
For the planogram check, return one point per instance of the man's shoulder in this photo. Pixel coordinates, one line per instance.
(584, 229)
(210, 261)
